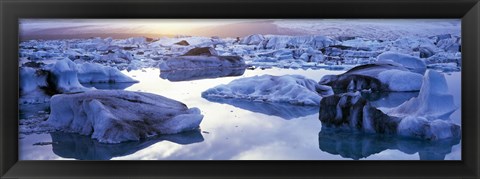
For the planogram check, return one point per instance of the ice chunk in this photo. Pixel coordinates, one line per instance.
(433, 101)
(399, 80)
(201, 51)
(381, 76)
(96, 73)
(253, 39)
(353, 112)
(293, 89)
(412, 63)
(63, 77)
(201, 58)
(32, 83)
(114, 116)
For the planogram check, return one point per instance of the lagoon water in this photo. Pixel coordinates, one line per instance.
(240, 130)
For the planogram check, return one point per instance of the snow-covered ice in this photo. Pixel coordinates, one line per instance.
(114, 116)
(97, 73)
(412, 63)
(292, 89)
(380, 76)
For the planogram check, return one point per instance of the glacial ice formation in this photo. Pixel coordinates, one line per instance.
(293, 89)
(412, 63)
(201, 58)
(114, 116)
(96, 73)
(380, 76)
(352, 112)
(63, 77)
(433, 101)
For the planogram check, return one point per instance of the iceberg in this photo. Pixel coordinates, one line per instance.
(63, 77)
(412, 63)
(353, 112)
(201, 58)
(96, 73)
(433, 101)
(380, 76)
(114, 116)
(292, 89)
(32, 86)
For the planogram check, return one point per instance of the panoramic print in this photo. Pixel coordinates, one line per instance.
(240, 89)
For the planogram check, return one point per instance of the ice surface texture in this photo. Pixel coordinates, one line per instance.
(201, 58)
(113, 116)
(380, 76)
(293, 89)
(64, 76)
(96, 73)
(412, 63)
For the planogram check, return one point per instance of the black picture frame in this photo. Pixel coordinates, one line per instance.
(12, 10)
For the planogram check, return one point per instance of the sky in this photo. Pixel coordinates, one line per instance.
(154, 28)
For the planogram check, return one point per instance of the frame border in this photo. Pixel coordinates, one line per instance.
(12, 10)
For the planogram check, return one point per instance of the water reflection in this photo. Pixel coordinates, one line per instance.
(108, 85)
(70, 145)
(360, 145)
(285, 111)
(187, 75)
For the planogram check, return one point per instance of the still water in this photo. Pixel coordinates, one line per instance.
(240, 130)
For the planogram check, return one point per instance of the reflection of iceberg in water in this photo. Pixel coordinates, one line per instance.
(359, 145)
(70, 145)
(187, 75)
(283, 110)
(108, 85)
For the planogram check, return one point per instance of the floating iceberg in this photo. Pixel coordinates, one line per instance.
(352, 112)
(96, 73)
(412, 63)
(32, 86)
(293, 89)
(433, 101)
(201, 58)
(114, 116)
(381, 76)
(63, 77)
